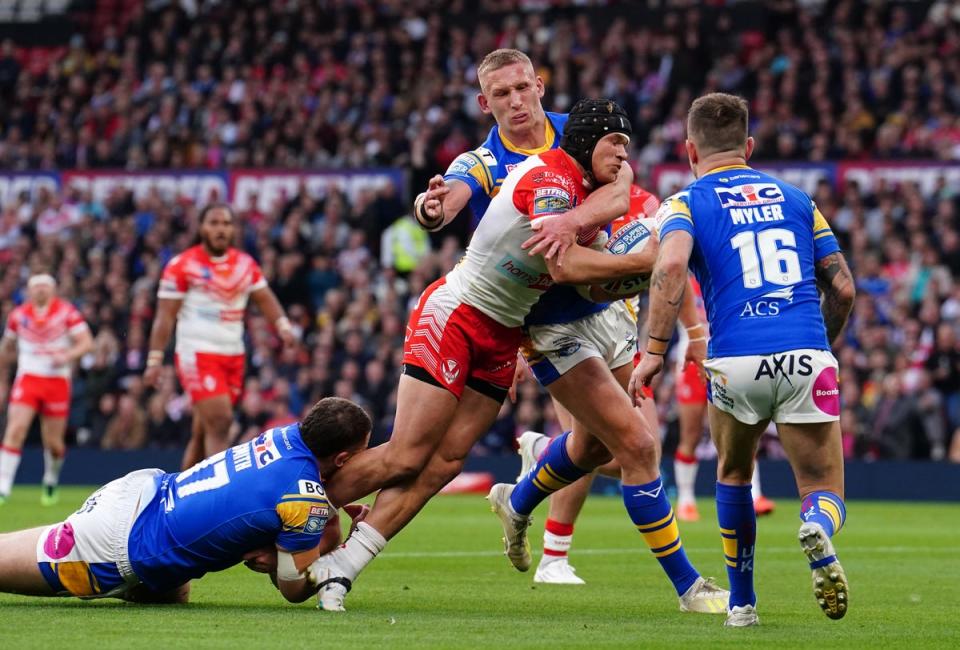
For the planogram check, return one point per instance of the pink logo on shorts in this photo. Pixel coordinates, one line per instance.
(59, 542)
(826, 393)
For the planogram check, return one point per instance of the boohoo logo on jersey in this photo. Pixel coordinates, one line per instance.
(745, 195)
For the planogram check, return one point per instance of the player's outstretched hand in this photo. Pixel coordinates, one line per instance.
(437, 190)
(643, 375)
(552, 236)
(358, 512)
(288, 337)
(151, 376)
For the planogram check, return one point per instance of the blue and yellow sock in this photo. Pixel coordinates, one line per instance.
(650, 511)
(738, 530)
(826, 509)
(554, 471)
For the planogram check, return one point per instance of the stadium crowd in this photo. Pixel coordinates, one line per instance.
(288, 85)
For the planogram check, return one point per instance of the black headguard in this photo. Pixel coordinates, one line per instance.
(590, 120)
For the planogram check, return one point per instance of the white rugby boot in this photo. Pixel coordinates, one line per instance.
(332, 581)
(528, 443)
(830, 586)
(742, 616)
(515, 542)
(557, 572)
(705, 597)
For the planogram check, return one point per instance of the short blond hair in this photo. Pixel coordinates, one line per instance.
(718, 122)
(500, 59)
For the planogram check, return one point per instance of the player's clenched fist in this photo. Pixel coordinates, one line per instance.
(428, 208)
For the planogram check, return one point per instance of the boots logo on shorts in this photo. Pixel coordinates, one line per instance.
(450, 369)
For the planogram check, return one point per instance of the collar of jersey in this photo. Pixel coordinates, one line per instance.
(548, 137)
(726, 168)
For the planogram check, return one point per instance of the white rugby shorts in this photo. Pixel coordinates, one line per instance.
(87, 555)
(791, 387)
(611, 335)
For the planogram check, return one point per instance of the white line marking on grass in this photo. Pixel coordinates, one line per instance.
(881, 550)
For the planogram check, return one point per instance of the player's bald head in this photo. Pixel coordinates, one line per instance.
(718, 122)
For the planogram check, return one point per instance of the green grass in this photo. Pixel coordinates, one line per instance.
(443, 583)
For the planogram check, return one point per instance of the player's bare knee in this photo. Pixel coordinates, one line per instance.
(216, 426)
(406, 464)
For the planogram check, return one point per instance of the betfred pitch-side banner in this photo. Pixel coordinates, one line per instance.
(673, 177)
(13, 184)
(199, 187)
(670, 178)
(239, 187)
(268, 187)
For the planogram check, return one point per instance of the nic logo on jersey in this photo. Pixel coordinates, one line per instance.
(264, 450)
(747, 195)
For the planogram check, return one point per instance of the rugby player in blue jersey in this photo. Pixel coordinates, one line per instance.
(778, 292)
(144, 536)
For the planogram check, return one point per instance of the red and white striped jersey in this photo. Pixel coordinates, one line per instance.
(496, 275)
(215, 292)
(41, 335)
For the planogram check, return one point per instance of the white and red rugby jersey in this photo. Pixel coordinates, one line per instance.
(215, 292)
(496, 275)
(40, 335)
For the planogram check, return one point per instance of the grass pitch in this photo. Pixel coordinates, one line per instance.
(444, 584)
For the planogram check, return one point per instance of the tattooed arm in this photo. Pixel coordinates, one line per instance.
(838, 292)
(667, 284)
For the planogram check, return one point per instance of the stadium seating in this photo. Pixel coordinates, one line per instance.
(252, 85)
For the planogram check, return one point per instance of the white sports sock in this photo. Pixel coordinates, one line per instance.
(755, 490)
(9, 462)
(686, 478)
(51, 468)
(359, 550)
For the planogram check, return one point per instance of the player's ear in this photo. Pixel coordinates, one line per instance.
(751, 143)
(540, 87)
(484, 104)
(692, 153)
(341, 459)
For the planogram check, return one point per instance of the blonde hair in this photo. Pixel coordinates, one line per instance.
(500, 59)
(718, 122)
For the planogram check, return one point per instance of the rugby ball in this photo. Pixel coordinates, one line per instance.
(628, 235)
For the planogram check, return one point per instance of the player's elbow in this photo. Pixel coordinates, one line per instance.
(671, 265)
(846, 295)
(296, 591)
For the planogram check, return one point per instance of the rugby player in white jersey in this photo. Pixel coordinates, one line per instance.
(49, 335)
(205, 290)
(460, 353)
(562, 319)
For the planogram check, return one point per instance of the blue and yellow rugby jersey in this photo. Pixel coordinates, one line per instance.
(263, 492)
(756, 240)
(483, 170)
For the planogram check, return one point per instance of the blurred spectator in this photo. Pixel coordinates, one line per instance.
(339, 85)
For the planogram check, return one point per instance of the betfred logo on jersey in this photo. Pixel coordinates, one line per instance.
(753, 194)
